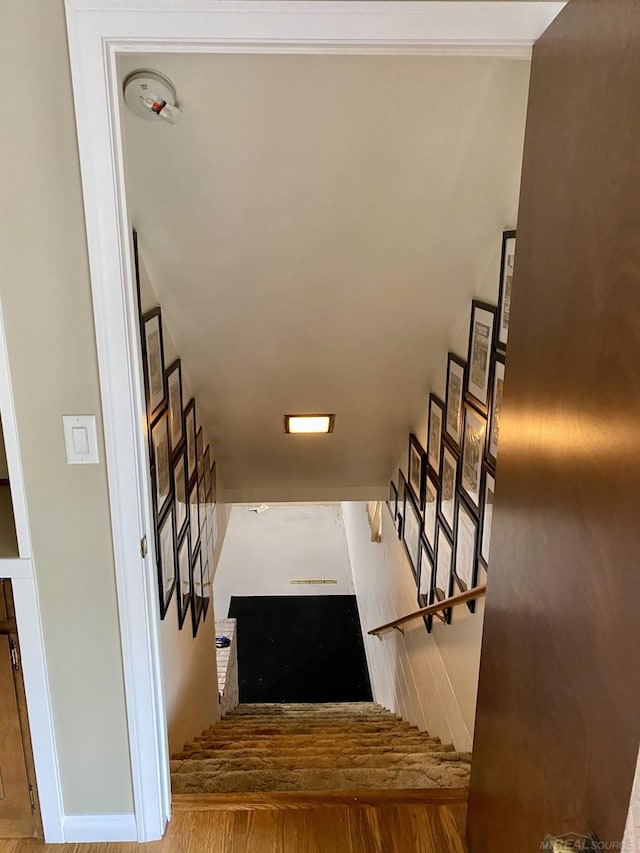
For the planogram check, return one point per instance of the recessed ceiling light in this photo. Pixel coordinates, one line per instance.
(308, 424)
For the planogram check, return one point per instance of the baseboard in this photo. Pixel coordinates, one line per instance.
(99, 827)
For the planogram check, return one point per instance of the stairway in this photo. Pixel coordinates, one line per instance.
(323, 747)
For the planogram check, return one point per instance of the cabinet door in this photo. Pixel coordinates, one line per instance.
(16, 815)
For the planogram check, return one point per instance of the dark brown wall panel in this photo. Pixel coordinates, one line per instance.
(558, 722)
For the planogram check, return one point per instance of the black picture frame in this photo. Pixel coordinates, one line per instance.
(482, 328)
(161, 473)
(180, 486)
(194, 515)
(443, 570)
(207, 562)
(200, 452)
(402, 487)
(415, 468)
(152, 341)
(454, 399)
(486, 516)
(412, 526)
(166, 560)
(507, 260)
(183, 578)
(425, 581)
(214, 483)
(196, 590)
(392, 501)
(435, 432)
(431, 509)
(206, 458)
(493, 423)
(190, 438)
(465, 563)
(473, 449)
(448, 487)
(173, 381)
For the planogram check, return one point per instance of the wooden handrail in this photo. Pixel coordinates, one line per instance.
(432, 609)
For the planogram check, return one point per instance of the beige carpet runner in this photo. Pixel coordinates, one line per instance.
(325, 747)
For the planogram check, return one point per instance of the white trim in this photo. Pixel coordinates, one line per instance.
(434, 27)
(12, 447)
(20, 571)
(79, 829)
(36, 685)
(97, 31)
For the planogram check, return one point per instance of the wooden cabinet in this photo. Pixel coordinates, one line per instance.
(19, 816)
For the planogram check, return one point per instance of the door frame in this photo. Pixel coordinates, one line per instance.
(98, 30)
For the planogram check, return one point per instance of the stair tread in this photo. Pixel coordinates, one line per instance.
(292, 762)
(451, 775)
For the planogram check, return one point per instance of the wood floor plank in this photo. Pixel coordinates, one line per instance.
(383, 827)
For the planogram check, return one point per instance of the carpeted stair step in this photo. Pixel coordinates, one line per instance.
(238, 750)
(323, 709)
(235, 781)
(279, 742)
(277, 762)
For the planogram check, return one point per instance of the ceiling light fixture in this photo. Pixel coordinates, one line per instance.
(308, 424)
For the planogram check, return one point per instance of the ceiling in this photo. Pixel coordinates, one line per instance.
(315, 228)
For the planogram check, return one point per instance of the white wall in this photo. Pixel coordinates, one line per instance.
(428, 680)
(264, 552)
(188, 663)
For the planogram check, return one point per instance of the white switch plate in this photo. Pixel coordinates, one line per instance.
(80, 439)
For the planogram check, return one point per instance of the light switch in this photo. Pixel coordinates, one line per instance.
(80, 439)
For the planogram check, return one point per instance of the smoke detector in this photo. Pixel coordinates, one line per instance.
(151, 95)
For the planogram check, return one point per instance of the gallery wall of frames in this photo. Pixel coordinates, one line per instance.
(183, 480)
(443, 507)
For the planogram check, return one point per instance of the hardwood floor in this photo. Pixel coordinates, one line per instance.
(289, 826)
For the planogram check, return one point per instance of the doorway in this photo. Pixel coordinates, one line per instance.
(96, 37)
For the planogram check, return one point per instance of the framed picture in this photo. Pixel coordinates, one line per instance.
(402, 487)
(161, 462)
(456, 368)
(488, 491)
(483, 320)
(183, 579)
(496, 406)
(430, 510)
(194, 516)
(475, 434)
(392, 502)
(412, 528)
(176, 414)
(180, 490)
(448, 483)
(506, 279)
(416, 461)
(211, 519)
(153, 362)
(443, 580)
(200, 452)
(466, 552)
(196, 587)
(190, 430)
(425, 582)
(214, 484)
(206, 458)
(166, 561)
(434, 433)
(206, 581)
